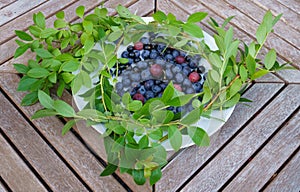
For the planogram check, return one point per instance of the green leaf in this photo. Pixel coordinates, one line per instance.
(276, 19)
(88, 26)
(193, 30)
(163, 116)
(259, 74)
(198, 135)
(45, 100)
(261, 33)
(60, 88)
(52, 78)
(270, 59)
(26, 83)
(30, 99)
(67, 127)
(21, 68)
(45, 54)
(207, 94)
(63, 108)
(39, 20)
(235, 87)
(91, 114)
(192, 117)
(196, 17)
(155, 176)
(38, 72)
(80, 11)
(135, 105)
(109, 169)
(180, 100)
(251, 64)
(215, 60)
(70, 66)
(48, 32)
(59, 23)
(181, 43)
(35, 31)
(23, 35)
(43, 113)
(215, 75)
(232, 49)
(168, 93)
(144, 142)
(60, 15)
(115, 35)
(76, 27)
(159, 16)
(226, 21)
(126, 98)
(174, 137)
(21, 50)
(138, 176)
(243, 73)
(233, 101)
(156, 134)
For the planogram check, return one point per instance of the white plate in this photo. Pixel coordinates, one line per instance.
(212, 125)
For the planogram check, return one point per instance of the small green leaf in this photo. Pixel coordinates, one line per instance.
(155, 176)
(21, 50)
(39, 20)
(59, 23)
(270, 59)
(181, 43)
(60, 88)
(45, 100)
(193, 30)
(115, 35)
(168, 93)
(174, 137)
(80, 11)
(109, 169)
(181, 100)
(156, 134)
(52, 78)
(207, 94)
(23, 35)
(21, 68)
(38, 72)
(48, 32)
(64, 108)
(43, 53)
(192, 117)
(126, 98)
(144, 142)
(261, 33)
(232, 49)
(70, 66)
(251, 64)
(43, 113)
(135, 105)
(138, 176)
(259, 74)
(233, 101)
(215, 60)
(60, 15)
(26, 83)
(198, 135)
(159, 16)
(88, 26)
(68, 126)
(215, 75)
(196, 17)
(30, 99)
(243, 73)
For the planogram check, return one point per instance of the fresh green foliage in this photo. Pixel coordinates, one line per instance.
(65, 58)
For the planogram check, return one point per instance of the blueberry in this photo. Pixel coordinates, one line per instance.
(168, 51)
(193, 64)
(149, 84)
(156, 89)
(201, 69)
(144, 40)
(145, 74)
(142, 65)
(163, 85)
(169, 57)
(198, 87)
(119, 86)
(161, 48)
(179, 77)
(153, 54)
(160, 94)
(149, 95)
(176, 69)
(186, 83)
(136, 53)
(178, 109)
(136, 60)
(132, 92)
(169, 74)
(146, 54)
(186, 70)
(126, 82)
(131, 54)
(175, 53)
(157, 82)
(130, 61)
(142, 90)
(147, 47)
(189, 90)
(125, 54)
(130, 48)
(188, 58)
(135, 77)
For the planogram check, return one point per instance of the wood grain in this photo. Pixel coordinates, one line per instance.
(2, 188)
(269, 159)
(68, 146)
(291, 4)
(288, 179)
(15, 172)
(22, 23)
(16, 9)
(186, 163)
(238, 151)
(289, 17)
(4, 3)
(36, 151)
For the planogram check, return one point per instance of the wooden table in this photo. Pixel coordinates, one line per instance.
(257, 149)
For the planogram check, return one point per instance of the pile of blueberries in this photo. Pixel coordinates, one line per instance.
(151, 66)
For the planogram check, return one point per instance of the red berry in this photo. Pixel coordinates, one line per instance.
(194, 77)
(178, 87)
(156, 70)
(180, 59)
(139, 97)
(138, 45)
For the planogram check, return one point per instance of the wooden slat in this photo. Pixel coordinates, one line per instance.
(238, 151)
(289, 17)
(269, 159)
(2, 188)
(16, 9)
(4, 3)
(288, 179)
(248, 26)
(68, 146)
(15, 172)
(186, 163)
(36, 151)
(22, 23)
(292, 4)
(256, 13)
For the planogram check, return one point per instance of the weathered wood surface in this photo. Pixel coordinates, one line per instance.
(290, 174)
(249, 142)
(15, 171)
